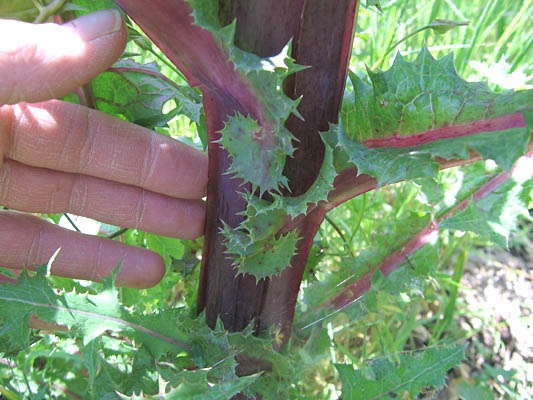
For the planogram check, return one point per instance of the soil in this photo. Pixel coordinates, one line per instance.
(498, 294)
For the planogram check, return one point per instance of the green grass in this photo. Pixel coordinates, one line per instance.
(498, 28)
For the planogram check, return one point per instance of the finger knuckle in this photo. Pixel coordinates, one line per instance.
(78, 195)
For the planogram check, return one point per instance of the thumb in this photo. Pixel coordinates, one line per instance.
(40, 62)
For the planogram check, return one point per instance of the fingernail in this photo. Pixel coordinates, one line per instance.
(97, 24)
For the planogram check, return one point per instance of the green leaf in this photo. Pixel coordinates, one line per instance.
(113, 378)
(417, 97)
(495, 216)
(205, 13)
(23, 10)
(137, 92)
(261, 348)
(391, 165)
(412, 97)
(474, 392)
(195, 386)
(15, 332)
(318, 191)
(257, 157)
(92, 359)
(504, 147)
(266, 258)
(474, 219)
(88, 315)
(169, 248)
(214, 353)
(375, 3)
(317, 347)
(93, 5)
(413, 372)
(387, 239)
(431, 192)
(254, 244)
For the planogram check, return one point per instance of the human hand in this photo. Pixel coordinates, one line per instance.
(60, 157)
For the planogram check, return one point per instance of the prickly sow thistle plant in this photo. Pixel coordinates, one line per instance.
(286, 145)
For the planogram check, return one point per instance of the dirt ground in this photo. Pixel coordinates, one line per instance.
(498, 294)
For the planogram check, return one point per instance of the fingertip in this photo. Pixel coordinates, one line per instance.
(146, 270)
(155, 272)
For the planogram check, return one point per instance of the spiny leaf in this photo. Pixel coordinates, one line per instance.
(265, 75)
(294, 206)
(92, 359)
(215, 352)
(415, 99)
(318, 191)
(87, 315)
(391, 165)
(474, 219)
(205, 13)
(266, 258)
(388, 239)
(261, 347)
(215, 355)
(262, 221)
(259, 144)
(253, 242)
(412, 97)
(110, 378)
(258, 156)
(387, 165)
(502, 146)
(413, 372)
